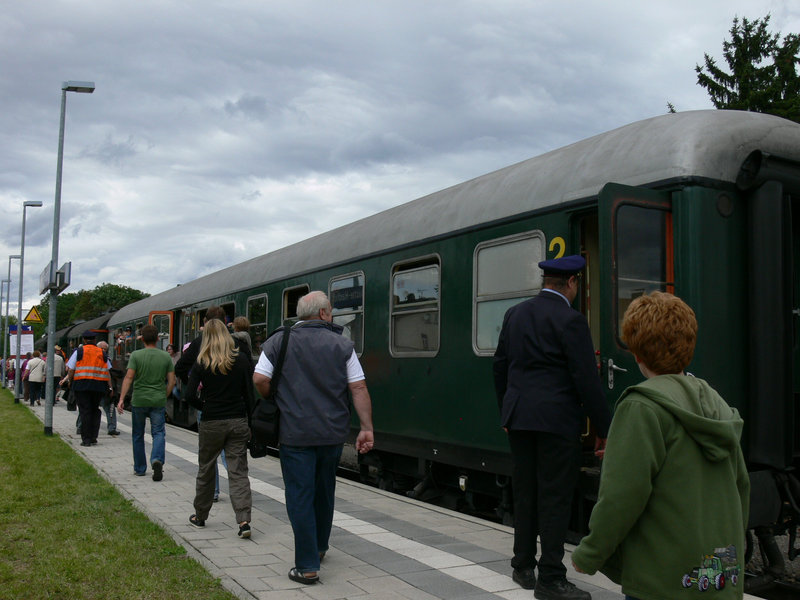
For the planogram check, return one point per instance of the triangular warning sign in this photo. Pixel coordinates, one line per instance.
(33, 316)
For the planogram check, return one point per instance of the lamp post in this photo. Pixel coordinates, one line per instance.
(17, 374)
(5, 331)
(3, 323)
(81, 87)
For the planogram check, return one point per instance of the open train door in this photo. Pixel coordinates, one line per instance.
(636, 257)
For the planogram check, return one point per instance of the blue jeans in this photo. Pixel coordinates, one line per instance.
(110, 408)
(139, 415)
(309, 474)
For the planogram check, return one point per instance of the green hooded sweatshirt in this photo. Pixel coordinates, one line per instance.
(674, 495)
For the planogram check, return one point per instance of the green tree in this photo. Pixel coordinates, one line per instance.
(86, 304)
(763, 73)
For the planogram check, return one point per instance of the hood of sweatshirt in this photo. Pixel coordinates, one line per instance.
(707, 419)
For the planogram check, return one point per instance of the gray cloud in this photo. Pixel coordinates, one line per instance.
(242, 127)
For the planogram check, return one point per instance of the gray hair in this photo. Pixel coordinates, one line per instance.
(308, 306)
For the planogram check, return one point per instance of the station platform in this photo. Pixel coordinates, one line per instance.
(383, 546)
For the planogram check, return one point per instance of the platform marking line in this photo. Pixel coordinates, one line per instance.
(450, 564)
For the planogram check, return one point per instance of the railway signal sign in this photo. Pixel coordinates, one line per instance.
(33, 316)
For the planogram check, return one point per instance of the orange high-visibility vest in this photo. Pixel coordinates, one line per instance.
(92, 365)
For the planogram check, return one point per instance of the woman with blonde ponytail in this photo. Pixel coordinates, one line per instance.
(226, 399)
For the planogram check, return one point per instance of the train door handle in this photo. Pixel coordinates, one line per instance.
(610, 373)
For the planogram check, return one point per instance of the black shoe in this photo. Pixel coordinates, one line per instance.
(86, 443)
(526, 578)
(158, 473)
(559, 590)
(94, 442)
(303, 578)
(115, 432)
(244, 530)
(193, 520)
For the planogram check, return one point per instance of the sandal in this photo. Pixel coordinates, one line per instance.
(194, 520)
(299, 577)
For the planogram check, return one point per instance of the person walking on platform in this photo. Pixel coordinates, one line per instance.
(319, 368)
(151, 376)
(546, 378)
(59, 370)
(35, 372)
(226, 400)
(107, 403)
(672, 440)
(89, 379)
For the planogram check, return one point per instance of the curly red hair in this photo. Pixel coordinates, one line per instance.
(661, 330)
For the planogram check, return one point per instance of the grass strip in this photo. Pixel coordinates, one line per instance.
(65, 532)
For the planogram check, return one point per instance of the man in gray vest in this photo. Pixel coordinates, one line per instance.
(319, 368)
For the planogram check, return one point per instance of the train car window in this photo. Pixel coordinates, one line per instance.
(188, 329)
(644, 254)
(290, 298)
(230, 312)
(138, 344)
(346, 294)
(415, 306)
(257, 315)
(505, 272)
(162, 323)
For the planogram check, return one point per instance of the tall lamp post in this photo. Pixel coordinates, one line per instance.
(5, 331)
(4, 323)
(81, 87)
(17, 374)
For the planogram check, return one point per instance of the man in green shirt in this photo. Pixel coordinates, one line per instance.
(152, 375)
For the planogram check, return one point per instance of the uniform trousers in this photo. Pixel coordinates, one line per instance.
(89, 407)
(545, 473)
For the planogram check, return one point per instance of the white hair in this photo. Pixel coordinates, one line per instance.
(308, 306)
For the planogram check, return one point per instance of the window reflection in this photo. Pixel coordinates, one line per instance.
(643, 263)
(415, 309)
(346, 295)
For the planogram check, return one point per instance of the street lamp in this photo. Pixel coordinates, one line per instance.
(17, 374)
(5, 331)
(81, 87)
(7, 283)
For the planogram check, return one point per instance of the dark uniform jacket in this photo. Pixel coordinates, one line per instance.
(545, 370)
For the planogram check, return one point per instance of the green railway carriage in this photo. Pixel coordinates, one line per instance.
(703, 204)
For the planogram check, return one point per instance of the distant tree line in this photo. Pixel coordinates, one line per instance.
(85, 305)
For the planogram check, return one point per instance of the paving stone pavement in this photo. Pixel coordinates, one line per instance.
(383, 546)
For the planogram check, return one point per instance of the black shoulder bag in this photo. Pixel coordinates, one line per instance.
(266, 417)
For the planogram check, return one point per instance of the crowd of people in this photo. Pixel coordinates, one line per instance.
(34, 373)
(217, 374)
(669, 438)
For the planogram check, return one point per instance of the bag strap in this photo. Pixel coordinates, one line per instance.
(276, 373)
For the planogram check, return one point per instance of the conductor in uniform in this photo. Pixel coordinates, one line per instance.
(546, 381)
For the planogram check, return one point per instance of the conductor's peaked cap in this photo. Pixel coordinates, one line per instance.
(566, 265)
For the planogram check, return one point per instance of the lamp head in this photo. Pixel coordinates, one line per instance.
(34, 203)
(82, 87)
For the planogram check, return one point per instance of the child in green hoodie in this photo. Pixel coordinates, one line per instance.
(672, 510)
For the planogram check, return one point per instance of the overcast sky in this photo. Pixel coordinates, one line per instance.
(222, 130)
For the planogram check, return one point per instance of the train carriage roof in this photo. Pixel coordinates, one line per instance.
(709, 145)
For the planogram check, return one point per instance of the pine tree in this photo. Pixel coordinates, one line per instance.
(763, 71)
